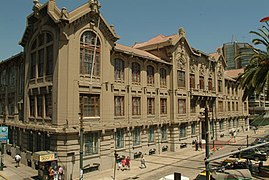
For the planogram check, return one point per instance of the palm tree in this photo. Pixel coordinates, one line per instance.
(256, 74)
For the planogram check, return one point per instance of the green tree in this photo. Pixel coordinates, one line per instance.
(256, 74)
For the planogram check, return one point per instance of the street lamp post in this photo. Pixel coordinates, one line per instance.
(207, 143)
(81, 134)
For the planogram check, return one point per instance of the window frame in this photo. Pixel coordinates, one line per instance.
(181, 79)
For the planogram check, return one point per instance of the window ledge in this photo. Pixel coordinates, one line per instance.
(137, 146)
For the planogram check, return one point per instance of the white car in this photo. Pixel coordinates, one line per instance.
(171, 177)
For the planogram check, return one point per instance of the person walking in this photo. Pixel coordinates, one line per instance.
(60, 173)
(128, 163)
(196, 145)
(18, 159)
(200, 144)
(142, 162)
(51, 173)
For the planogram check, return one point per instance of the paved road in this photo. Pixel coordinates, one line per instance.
(191, 166)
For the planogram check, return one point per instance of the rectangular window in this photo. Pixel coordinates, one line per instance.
(220, 106)
(11, 104)
(47, 142)
(245, 106)
(91, 105)
(37, 138)
(48, 105)
(151, 134)
(164, 132)
(163, 77)
(180, 79)
(219, 85)
(119, 70)
(136, 106)
(237, 106)
(193, 106)
(181, 106)
(30, 139)
(211, 126)
(150, 75)
(163, 103)
(119, 138)
(193, 129)
(192, 81)
(119, 105)
(136, 140)
(229, 106)
(182, 131)
(136, 72)
(221, 125)
(40, 106)
(202, 82)
(32, 105)
(210, 85)
(150, 106)
(91, 143)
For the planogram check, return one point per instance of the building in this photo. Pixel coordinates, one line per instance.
(73, 82)
(232, 50)
(258, 103)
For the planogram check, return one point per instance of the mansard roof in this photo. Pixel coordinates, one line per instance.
(161, 40)
(84, 13)
(137, 52)
(234, 73)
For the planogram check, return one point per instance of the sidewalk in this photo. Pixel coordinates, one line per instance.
(156, 164)
(11, 172)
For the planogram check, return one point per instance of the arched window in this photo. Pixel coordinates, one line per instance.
(90, 54)
(119, 70)
(163, 75)
(150, 75)
(41, 59)
(135, 72)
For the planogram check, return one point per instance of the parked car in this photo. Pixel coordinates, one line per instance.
(264, 148)
(252, 154)
(240, 174)
(234, 163)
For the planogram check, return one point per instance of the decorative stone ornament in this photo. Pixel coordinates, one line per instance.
(36, 7)
(94, 5)
(181, 64)
(64, 14)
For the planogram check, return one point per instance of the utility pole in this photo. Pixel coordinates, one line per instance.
(81, 136)
(207, 143)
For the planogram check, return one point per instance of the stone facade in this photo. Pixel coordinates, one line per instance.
(74, 78)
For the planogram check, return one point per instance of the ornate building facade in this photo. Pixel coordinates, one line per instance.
(74, 81)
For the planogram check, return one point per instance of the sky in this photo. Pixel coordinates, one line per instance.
(208, 23)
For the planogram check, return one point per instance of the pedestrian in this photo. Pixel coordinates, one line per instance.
(260, 166)
(55, 174)
(51, 173)
(142, 162)
(18, 159)
(123, 163)
(250, 166)
(200, 144)
(128, 162)
(196, 145)
(60, 173)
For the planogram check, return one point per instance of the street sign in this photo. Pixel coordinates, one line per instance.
(3, 134)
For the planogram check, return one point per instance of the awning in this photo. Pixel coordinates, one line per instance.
(45, 156)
